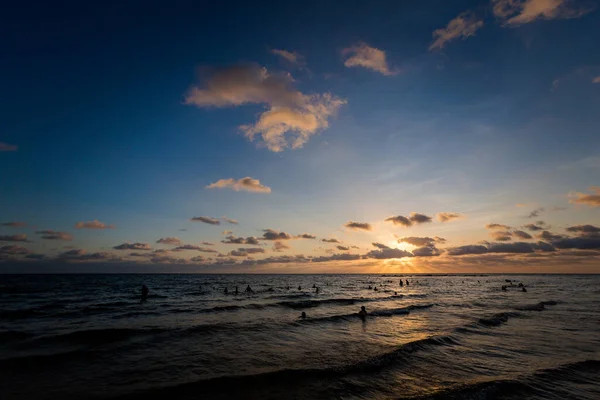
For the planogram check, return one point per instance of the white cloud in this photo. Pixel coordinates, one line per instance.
(245, 184)
(465, 25)
(95, 224)
(292, 57)
(363, 55)
(519, 12)
(596, 79)
(292, 117)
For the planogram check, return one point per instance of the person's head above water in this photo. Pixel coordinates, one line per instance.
(303, 315)
(362, 308)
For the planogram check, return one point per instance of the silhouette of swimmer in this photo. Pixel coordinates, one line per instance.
(303, 315)
(225, 291)
(249, 289)
(299, 287)
(523, 289)
(401, 283)
(395, 293)
(521, 284)
(363, 312)
(236, 290)
(375, 289)
(316, 290)
(314, 286)
(144, 292)
(407, 282)
(504, 288)
(370, 287)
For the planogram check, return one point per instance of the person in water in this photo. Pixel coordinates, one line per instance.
(407, 282)
(523, 290)
(249, 289)
(299, 287)
(375, 289)
(504, 288)
(363, 312)
(144, 292)
(303, 315)
(236, 290)
(401, 283)
(225, 291)
(316, 290)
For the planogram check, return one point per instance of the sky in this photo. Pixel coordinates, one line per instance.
(424, 136)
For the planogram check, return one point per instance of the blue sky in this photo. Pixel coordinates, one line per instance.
(124, 114)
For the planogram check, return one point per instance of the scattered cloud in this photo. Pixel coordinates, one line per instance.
(592, 200)
(133, 246)
(536, 213)
(207, 220)
(244, 252)
(337, 257)
(240, 240)
(229, 220)
(208, 243)
(522, 235)
(501, 236)
(596, 79)
(8, 147)
(291, 57)
(448, 216)
(549, 236)
(270, 234)
(21, 237)
(386, 252)
(426, 251)
(194, 247)
(225, 233)
(13, 250)
(342, 248)
(516, 247)
(534, 227)
(95, 224)
(584, 229)
(581, 243)
(414, 218)
(519, 12)
(280, 246)
(363, 55)
(421, 241)
(246, 184)
(332, 240)
(15, 224)
(497, 226)
(173, 241)
(358, 226)
(291, 118)
(50, 234)
(83, 255)
(463, 26)
(306, 236)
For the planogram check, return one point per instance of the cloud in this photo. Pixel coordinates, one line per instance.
(549, 236)
(8, 147)
(279, 260)
(270, 234)
(82, 255)
(522, 235)
(519, 12)
(133, 246)
(399, 220)
(535, 213)
(363, 55)
(21, 237)
(448, 216)
(291, 117)
(194, 247)
(343, 248)
(15, 224)
(592, 200)
(306, 236)
(231, 221)
(246, 184)
(534, 227)
(240, 240)
(337, 257)
(386, 252)
(13, 250)
(332, 240)
(293, 57)
(226, 232)
(596, 79)
(280, 246)
(464, 25)
(207, 220)
(174, 241)
(421, 241)
(497, 226)
(584, 229)
(581, 243)
(501, 236)
(426, 251)
(358, 226)
(95, 224)
(208, 243)
(517, 247)
(414, 218)
(50, 234)
(244, 252)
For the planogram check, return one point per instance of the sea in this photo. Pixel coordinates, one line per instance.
(437, 337)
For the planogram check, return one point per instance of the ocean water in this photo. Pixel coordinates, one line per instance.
(456, 337)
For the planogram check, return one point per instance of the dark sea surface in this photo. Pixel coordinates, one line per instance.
(455, 337)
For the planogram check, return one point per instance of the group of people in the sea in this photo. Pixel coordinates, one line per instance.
(520, 285)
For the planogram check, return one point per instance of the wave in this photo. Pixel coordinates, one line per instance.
(100, 336)
(376, 313)
(541, 306)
